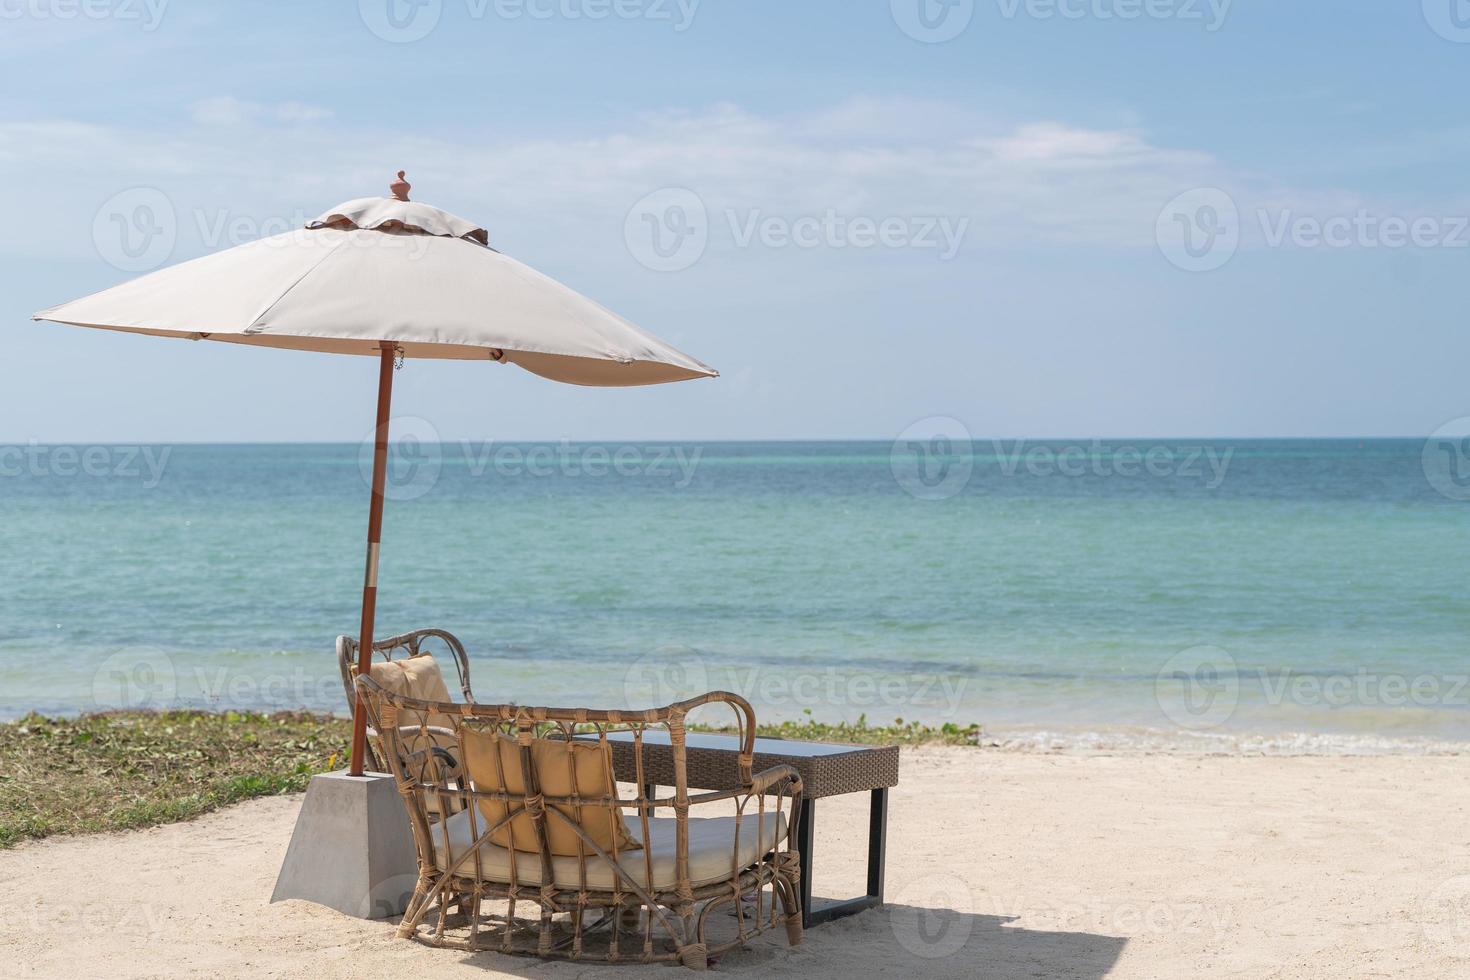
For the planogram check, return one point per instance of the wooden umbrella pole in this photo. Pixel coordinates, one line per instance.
(375, 537)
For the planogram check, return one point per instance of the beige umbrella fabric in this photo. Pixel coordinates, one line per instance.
(380, 269)
(391, 278)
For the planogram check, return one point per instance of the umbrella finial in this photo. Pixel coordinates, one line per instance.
(400, 187)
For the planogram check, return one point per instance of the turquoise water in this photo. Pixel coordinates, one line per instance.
(1278, 586)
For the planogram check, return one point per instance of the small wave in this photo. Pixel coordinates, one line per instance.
(1147, 741)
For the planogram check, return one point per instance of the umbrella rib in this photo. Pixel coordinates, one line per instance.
(250, 328)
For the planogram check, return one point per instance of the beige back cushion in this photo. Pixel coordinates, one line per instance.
(415, 677)
(493, 763)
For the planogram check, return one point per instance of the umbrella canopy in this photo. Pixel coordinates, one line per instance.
(382, 269)
(392, 278)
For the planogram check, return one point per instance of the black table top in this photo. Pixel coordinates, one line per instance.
(826, 768)
(763, 746)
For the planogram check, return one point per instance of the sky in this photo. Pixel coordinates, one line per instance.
(1035, 218)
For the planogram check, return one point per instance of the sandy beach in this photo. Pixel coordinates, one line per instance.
(1001, 865)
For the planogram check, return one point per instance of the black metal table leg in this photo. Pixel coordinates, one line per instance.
(877, 843)
(877, 858)
(804, 826)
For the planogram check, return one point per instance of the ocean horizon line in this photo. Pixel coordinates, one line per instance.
(745, 441)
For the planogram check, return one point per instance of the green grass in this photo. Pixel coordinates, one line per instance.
(861, 733)
(138, 769)
(122, 770)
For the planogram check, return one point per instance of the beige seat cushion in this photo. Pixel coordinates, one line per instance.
(420, 677)
(415, 677)
(563, 768)
(711, 847)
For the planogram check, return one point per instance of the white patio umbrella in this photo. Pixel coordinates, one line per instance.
(389, 278)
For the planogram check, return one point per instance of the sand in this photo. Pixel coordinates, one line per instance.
(1000, 865)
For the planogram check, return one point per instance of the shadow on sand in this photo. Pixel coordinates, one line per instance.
(896, 940)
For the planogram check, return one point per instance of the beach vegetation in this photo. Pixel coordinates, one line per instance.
(130, 769)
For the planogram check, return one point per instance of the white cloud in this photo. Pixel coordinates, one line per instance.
(228, 111)
(298, 112)
(223, 111)
(1017, 183)
(1056, 143)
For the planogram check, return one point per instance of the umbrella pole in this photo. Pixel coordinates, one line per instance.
(375, 537)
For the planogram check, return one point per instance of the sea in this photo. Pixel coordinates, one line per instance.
(1171, 595)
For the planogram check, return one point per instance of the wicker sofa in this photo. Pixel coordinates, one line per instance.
(540, 852)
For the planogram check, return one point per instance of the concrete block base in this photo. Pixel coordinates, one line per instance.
(352, 849)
